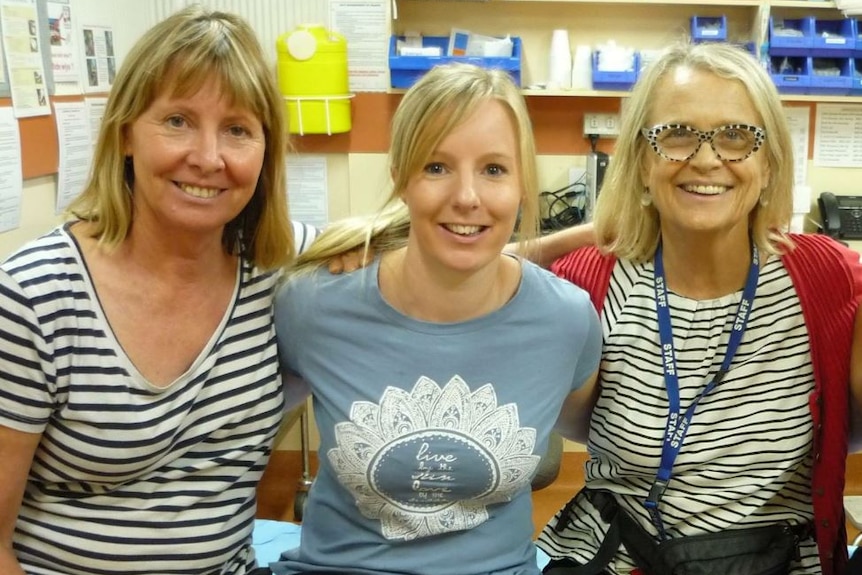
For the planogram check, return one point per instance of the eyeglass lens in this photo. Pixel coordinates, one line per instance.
(730, 143)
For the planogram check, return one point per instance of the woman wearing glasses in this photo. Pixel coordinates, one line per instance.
(724, 400)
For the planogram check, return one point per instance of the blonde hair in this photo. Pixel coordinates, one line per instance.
(629, 231)
(439, 101)
(178, 56)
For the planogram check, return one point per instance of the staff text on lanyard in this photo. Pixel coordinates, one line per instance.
(678, 421)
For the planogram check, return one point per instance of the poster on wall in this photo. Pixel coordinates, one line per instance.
(11, 178)
(98, 44)
(62, 41)
(24, 58)
(365, 25)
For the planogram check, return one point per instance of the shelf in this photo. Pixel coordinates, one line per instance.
(613, 94)
(731, 3)
(575, 93)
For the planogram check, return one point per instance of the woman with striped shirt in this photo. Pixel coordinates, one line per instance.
(139, 384)
(727, 341)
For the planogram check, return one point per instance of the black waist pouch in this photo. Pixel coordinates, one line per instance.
(767, 550)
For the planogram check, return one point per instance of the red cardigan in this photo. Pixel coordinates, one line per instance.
(828, 280)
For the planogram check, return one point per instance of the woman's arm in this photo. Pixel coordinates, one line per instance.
(16, 452)
(574, 419)
(545, 250)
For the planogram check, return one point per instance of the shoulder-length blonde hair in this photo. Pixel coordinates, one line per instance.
(177, 56)
(629, 231)
(442, 99)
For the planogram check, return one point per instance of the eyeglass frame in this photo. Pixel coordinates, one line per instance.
(704, 136)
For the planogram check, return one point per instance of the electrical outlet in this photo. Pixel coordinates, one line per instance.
(607, 125)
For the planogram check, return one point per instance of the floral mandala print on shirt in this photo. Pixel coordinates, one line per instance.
(430, 461)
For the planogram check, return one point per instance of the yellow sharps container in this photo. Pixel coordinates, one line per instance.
(312, 77)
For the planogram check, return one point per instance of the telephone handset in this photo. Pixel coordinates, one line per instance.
(841, 216)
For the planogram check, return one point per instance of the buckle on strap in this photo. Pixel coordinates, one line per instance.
(656, 492)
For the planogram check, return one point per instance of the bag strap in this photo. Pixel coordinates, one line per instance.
(621, 529)
(594, 566)
(640, 545)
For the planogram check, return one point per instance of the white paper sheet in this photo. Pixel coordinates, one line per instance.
(838, 136)
(64, 61)
(76, 150)
(307, 189)
(11, 174)
(24, 58)
(366, 26)
(99, 61)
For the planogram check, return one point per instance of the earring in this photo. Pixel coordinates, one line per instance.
(763, 201)
(646, 198)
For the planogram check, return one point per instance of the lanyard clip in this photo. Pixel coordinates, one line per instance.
(655, 494)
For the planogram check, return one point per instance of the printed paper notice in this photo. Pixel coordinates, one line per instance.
(76, 150)
(98, 42)
(798, 120)
(95, 111)
(24, 58)
(63, 59)
(365, 25)
(307, 193)
(11, 176)
(838, 136)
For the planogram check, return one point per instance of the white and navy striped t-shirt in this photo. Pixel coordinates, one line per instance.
(747, 457)
(128, 477)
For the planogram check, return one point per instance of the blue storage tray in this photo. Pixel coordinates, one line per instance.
(837, 85)
(797, 82)
(709, 28)
(791, 45)
(841, 41)
(405, 70)
(623, 80)
(856, 79)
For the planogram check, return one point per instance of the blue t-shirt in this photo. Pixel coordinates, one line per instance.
(430, 433)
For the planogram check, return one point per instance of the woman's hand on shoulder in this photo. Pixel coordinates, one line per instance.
(547, 249)
(351, 260)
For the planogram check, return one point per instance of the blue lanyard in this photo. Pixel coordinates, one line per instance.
(677, 420)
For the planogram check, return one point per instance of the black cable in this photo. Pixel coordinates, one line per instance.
(565, 207)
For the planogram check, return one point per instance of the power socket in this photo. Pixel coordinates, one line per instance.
(607, 125)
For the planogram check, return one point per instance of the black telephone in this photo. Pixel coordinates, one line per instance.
(841, 216)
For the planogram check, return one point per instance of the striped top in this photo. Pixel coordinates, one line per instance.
(128, 477)
(747, 457)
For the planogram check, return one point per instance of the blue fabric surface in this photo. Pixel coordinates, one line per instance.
(270, 538)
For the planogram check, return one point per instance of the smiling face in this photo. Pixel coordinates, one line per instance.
(703, 195)
(197, 160)
(464, 201)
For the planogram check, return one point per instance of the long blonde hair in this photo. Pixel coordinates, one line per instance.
(439, 101)
(178, 56)
(629, 231)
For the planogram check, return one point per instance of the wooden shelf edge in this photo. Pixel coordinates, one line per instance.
(830, 4)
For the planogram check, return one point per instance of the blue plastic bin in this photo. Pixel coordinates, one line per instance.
(796, 82)
(856, 80)
(799, 45)
(622, 80)
(405, 70)
(837, 85)
(834, 38)
(709, 28)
